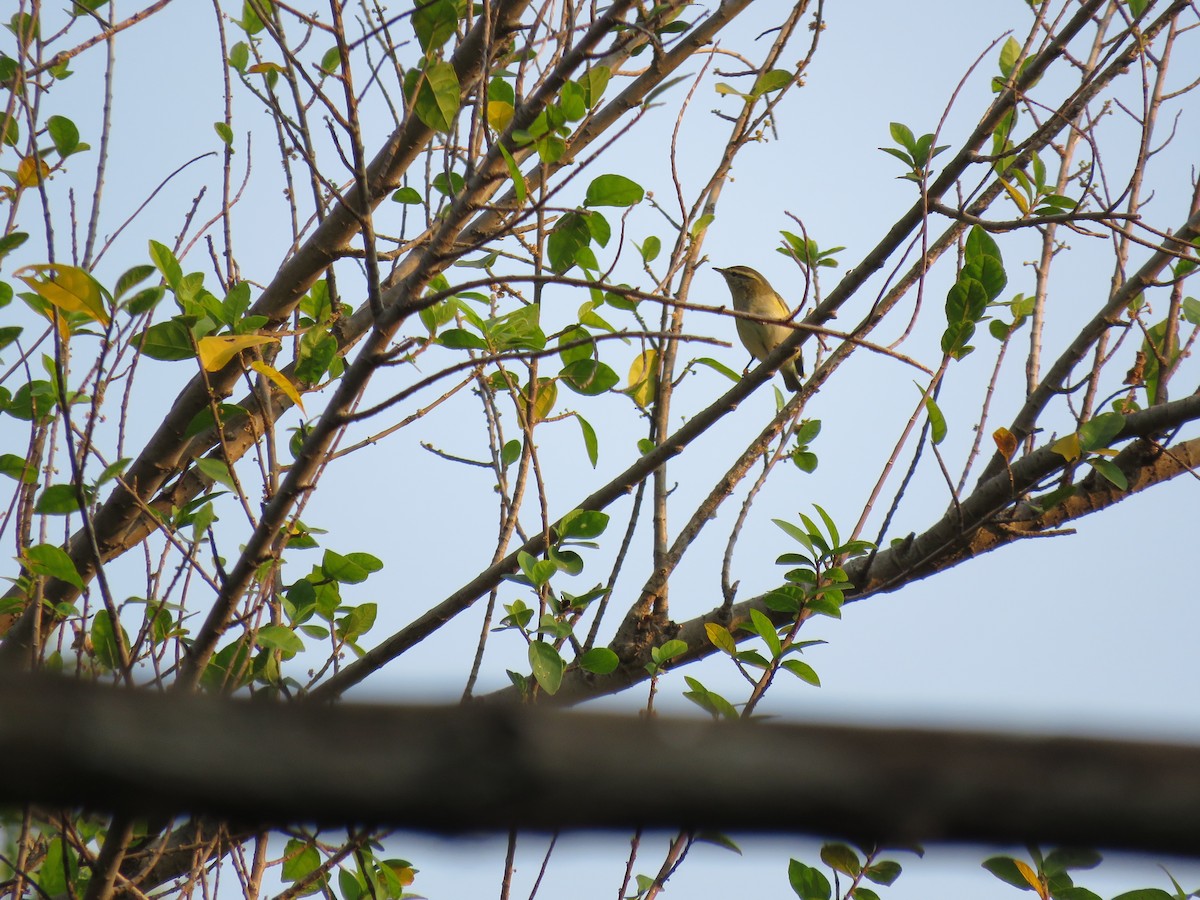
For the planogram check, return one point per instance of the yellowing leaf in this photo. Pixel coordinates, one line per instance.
(217, 350)
(31, 170)
(499, 114)
(547, 393)
(68, 288)
(1030, 875)
(278, 379)
(1068, 447)
(720, 637)
(1016, 196)
(1006, 442)
(263, 67)
(641, 378)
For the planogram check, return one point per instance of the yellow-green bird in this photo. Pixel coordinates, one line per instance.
(753, 294)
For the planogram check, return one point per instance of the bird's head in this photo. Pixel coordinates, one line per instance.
(743, 275)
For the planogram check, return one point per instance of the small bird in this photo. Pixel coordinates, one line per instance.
(753, 294)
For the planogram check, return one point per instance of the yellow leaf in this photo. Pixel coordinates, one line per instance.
(217, 350)
(1030, 875)
(641, 378)
(279, 381)
(1068, 447)
(31, 170)
(1017, 197)
(1006, 443)
(720, 637)
(547, 393)
(499, 114)
(68, 288)
(262, 67)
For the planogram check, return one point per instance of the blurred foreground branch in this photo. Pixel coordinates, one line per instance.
(492, 766)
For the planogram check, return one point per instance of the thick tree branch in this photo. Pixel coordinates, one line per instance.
(496, 767)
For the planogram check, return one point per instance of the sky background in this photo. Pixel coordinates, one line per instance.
(1089, 634)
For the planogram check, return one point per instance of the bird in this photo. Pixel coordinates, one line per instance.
(753, 294)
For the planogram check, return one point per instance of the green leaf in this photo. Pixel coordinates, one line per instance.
(57, 500)
(883, 872)
(13, 239)
(650, 249)
(170, 341)
(1009, 54)
(668, 651)
(937, 422)
(807, 882)
(131, 277)
(217, 470)
(590, 442)
(1005, 868)
(514, 172)
(613, 190)
(19, 468)
(599, 661)
(593, 82)
(353, 568)
(59, 869)
(1111, 471)
(1144, 894)
(407, 195)
(437, 97)
(47, 559)
(1098, 432)
(461, 339)
(224, 132)
(517, 330)
(719, 839)
(318, 352)
(803, 671)
(771, 81)
(65, 136)
(536, 571)
(581, 524)
(568, 238)
(589, 377)
(239, 56)
(547, 666)
(796, 533)
(358, 621)
(434, 22)
(903, 136)
(106, 642)
(763, 627)
(448, 183)
(841, 858)
(575, 343)
(281, 638)
(300, 858)
(719, 367)
(710, 701)
(966, 304)
(166, 262)
(145, 300)
(510, 453)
